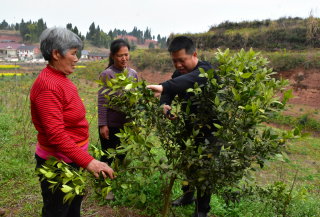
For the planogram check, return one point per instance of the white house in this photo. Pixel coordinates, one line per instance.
(29, 51)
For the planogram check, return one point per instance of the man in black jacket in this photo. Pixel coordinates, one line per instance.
(184, 58)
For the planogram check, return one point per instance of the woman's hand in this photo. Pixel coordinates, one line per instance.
(104, 132)
(96, 167)
(157, 89)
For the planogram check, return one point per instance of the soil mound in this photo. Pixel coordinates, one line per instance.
(305, 84)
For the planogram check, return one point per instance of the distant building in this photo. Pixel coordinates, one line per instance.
(84, 54)
(9, 49)
(98, 56)
(29, 51)
(7, 41)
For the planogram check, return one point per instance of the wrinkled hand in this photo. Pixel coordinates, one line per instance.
(104, 132)
(157, 89)
(96, 166)
(165, 108)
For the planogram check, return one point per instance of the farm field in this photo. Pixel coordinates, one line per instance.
(20, 192)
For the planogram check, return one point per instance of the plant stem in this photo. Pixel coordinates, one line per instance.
(288, 198)
(167, 195)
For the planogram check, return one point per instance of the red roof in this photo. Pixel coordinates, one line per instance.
(129, 37)
(13, 46)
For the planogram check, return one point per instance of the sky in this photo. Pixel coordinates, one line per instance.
(163, 17)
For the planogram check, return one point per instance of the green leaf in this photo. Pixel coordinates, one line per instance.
(296, 131)
(130, 197)
(143, 198)
(254, 108)
(188, 110)
(217, 101)
(199, 149)
(234, 91)
(66, 188)
(124, 186)
(246, 75)
(43, 171)
(77, 189)
(201, 70)
(201, 179)
(128, 87)
(111, 150)
(238, 97)
(109, 84)
(258, 103)
(105, 191)
(195, 86)
(241, 67)
(190, 90)
(149, 144)
(217, 126)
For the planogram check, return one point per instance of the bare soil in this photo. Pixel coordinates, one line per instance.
(305, 84)
(10, 35)
(153, 77)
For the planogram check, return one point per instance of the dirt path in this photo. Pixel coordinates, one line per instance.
(152, 77)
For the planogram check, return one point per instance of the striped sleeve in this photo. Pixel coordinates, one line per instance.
(49, 106)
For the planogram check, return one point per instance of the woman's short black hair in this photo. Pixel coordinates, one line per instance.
(115, 47)
(182, 42)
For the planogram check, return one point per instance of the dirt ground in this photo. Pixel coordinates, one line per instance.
(305, 84)
(153, 77)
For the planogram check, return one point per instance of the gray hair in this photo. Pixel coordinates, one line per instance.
(60, 39)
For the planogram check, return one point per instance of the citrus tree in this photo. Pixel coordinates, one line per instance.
(244, 96)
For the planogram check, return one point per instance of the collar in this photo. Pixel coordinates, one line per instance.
(54, 71)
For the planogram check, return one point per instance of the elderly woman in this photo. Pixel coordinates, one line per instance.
(58, 114)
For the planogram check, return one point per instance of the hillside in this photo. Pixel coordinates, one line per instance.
(284, 33)
(10, 35)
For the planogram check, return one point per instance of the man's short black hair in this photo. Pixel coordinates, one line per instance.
(182, 42)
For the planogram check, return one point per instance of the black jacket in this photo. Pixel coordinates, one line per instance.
(178, 86)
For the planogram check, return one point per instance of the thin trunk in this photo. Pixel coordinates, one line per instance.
(167, 195)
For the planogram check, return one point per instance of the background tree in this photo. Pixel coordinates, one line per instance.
(105, 39)
(41, 26)
(96, 37)
(3, 25)
(132, 45)
(91, 32)
(115, 33)
(69, 26)
(17, 27)
(110, 34)
(126, 40)
(33, 29)
(75, 30)
(151, 45)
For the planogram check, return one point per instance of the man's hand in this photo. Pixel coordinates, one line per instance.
(157, 89)
(104, 132)
(165, 108)
(97, 166)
